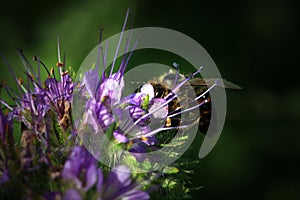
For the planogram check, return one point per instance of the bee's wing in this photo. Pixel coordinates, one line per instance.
(210, 81)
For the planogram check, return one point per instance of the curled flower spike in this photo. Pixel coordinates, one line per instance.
(36, 98)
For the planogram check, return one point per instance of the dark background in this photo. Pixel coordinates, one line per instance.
(253, 43)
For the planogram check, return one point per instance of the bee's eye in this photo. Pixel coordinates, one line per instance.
(159, 93)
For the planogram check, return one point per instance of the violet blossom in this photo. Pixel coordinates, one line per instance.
(81, 170)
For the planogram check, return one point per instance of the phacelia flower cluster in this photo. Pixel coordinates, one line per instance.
(50, 155)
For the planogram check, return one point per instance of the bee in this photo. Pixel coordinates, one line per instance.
(163, 87)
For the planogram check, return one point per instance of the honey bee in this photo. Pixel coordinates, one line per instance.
(163, 87)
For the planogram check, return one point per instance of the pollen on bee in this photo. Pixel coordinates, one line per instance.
(144, 138)
(59, 64)
(129, 145)
(168, 121)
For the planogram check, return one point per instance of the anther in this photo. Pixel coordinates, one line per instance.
(176, 65)
(144, 138)
(20, 81)
(65, 73)
(60, 64)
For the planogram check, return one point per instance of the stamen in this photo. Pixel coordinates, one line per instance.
(25, 62)
(65, 73)
(177, 73)
(61, 76)
(191, 108)
(55, 81)
(39, 71)
(31, 101)
(6, 105)
(36, 84)
(20, 82)
(58, 64)
(210, 88)
(161, 129)
(198, 105)
(104, 61)
(119, 43)
(58, 49)
(36, 58)
(99, 48)
(184, 81)
(15, 97)
(101, 33)
(132, 50)
(128, 41)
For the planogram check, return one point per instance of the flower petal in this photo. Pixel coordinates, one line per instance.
(72, 194)
(91, 81)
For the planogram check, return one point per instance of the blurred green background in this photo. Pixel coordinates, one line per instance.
(254, 44)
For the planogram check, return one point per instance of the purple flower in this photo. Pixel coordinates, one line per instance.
(119, 136)
(6, 126)
(72, 194)
(137, 113)
(81, 168)
(119, 185)
(112, 88)
(35, 98)
(98, 115)
(52, 195)
(4, 176)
